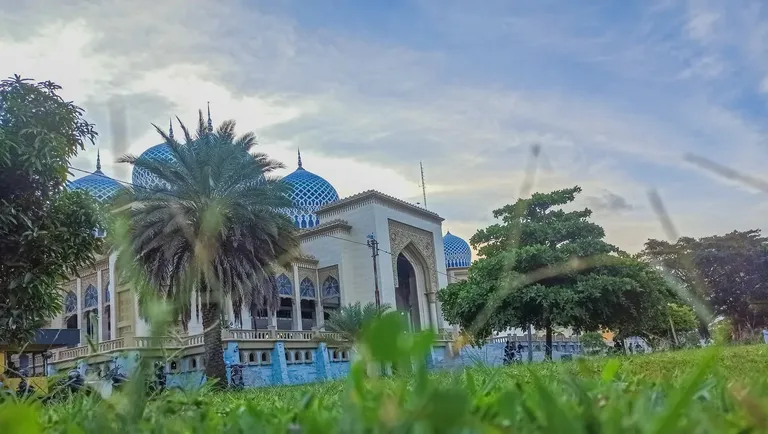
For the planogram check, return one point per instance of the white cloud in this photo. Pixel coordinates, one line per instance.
(365, 112)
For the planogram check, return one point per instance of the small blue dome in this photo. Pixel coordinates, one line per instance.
(99, 185)
(142, 178)
(309, 193)
(457, 251)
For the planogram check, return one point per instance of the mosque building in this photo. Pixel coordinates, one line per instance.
(335, 267)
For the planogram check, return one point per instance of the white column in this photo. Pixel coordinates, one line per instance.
(100, 307)
(112, 296)
(79, 292)
(245, 317)
(141, 328)
(230, 311)
(319, 303)
(296, 299)
(432, 310)
(272, 314)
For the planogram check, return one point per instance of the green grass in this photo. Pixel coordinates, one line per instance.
(720, 390)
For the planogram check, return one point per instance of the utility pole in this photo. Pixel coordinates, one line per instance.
(423, 186)
(374, 245)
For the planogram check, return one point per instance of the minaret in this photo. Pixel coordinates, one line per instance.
(98, 161)
(300, 167)
(170, 128)
(210, 123)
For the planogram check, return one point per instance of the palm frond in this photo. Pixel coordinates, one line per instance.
(216, 218)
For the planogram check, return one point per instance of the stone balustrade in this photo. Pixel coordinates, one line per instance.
(178, 342)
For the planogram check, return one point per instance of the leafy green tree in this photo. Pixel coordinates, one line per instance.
(727, 271)
(349, 321)
(215, 225)
(46, 231)
(561, 272)
(593, 343)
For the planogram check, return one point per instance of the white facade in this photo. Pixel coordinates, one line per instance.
(337, 249)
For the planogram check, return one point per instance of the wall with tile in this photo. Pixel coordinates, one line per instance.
(294, 366)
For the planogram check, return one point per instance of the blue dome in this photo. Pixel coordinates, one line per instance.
(141, 177)
(309, 193)
(457, 251)
(99, 185)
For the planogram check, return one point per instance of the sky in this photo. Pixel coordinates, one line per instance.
(615, 93)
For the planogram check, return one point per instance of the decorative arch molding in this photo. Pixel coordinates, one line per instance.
(402, 235)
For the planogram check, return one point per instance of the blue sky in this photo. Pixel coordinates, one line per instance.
(615, 92)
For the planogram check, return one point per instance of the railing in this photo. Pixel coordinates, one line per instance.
(278, 335)
(73, 353)
(523, 339)
(131, 342)
(112, 345)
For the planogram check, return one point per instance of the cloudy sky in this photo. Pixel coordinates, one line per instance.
(615, 92)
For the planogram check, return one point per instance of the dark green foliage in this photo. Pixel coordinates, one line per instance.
(216, 227)
(46, 232)
(350, 320)
(560, 273)
(729, 272)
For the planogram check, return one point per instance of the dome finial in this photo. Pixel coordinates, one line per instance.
(98, 160)
(299, 149)
(210, 123)
(170, 128)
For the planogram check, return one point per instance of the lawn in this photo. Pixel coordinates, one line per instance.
(717, 390)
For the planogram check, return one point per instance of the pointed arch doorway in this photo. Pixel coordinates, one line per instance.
(410, 292)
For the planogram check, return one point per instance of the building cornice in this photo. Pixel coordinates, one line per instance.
(306, 261)
(372, 196)
(332, 227)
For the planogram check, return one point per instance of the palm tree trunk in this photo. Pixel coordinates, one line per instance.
(215, 369)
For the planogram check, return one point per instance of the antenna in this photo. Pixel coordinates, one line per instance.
(423, 185)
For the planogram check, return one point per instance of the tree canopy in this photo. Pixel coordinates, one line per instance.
(46, 231)
(214, 226)
(729, 272)
(546, 266)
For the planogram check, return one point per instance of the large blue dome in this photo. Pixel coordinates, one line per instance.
(457, 251)
(99, 185)
(309, 193)
(142, 178)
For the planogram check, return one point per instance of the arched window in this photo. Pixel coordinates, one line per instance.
(284, 285)
(331, 296)
(307, 288)
(70, 303)
(331, 287)
(91, 297)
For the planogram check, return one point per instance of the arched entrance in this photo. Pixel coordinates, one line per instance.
(407, 292)
(412, 283)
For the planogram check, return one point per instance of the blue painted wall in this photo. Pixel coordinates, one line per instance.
(257, 376)
(301, 374)
(339, 370)
(316, 364)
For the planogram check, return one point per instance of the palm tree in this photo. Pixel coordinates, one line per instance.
(348, 322)
(214, 227)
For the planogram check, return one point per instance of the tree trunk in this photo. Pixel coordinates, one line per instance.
(215, 369)
(548, 340)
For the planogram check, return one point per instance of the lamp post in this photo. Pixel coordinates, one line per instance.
(374, 245)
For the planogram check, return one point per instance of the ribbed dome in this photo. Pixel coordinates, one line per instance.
(99, 185)
(309, 193)
(457, 252)
(142, 178)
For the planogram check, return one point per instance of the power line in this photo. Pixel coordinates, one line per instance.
(381, 250)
